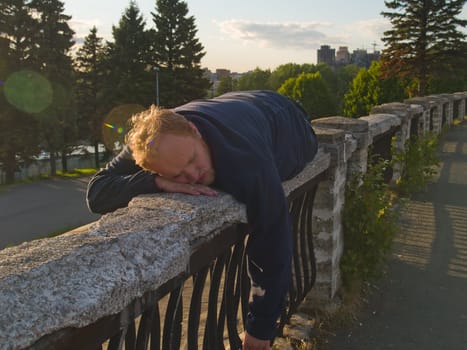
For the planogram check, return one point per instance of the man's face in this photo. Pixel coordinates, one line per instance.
(183, 159)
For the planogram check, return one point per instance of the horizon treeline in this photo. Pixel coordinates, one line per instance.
(55, 96)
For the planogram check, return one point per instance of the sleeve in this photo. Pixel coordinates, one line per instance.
(269, 247)
(114, 186)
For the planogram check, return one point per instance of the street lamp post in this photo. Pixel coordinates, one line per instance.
(157, 85)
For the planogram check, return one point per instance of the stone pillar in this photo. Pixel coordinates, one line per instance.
(404, 113)
(329, 200)
(418, 122)
(462, 104)
(445, 101)
(432, 113)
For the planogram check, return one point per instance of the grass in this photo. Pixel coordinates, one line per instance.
(75, 173)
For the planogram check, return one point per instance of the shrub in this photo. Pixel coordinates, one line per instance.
(419, 162)
(370, 223)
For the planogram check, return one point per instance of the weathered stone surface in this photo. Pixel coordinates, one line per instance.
(381, 123)
(320, 164)
(342, 123)
(75, 279)
(328, 136)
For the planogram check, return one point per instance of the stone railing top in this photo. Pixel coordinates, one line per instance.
(77, 278)
(424, 101)
(320, 163)
(342, 123)
(416, 109)
(328, 135)
(402, 110)
(381, 123)
(462, 94)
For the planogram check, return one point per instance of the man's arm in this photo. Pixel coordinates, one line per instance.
(121, 180)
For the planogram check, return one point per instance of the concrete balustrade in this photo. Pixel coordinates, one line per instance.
(74, 280)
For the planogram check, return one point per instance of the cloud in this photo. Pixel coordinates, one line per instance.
(287, 35)
(82, 29)
(371, 28)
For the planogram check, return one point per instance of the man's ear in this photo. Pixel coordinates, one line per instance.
(195, 129)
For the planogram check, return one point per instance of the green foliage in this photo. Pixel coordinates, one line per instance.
(128, 58)
(425, 41)
(18, 130)
(92, 97)
(226, 84)
(311, 91)
(419, 163)
(284, 72)
(368, 89)
(257, 79)
(178, 54)
(370, 223)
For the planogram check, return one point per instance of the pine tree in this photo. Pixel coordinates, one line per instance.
(129, 59)
(90, 77)
(178, 54)
(55, 40)
(18, 137)
(425, 40)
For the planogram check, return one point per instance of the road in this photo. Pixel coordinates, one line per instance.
(35, 210)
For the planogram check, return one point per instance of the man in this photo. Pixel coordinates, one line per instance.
(243, 143)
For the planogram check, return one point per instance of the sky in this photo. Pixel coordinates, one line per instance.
(241, 35)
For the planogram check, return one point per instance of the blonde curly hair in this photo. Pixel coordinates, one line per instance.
(146, 128)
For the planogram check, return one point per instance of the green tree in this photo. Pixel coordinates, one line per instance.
(310, 90)
(91, 99)
(18, 93)
(368, 89)
(178, 54)
(425, 41)
(257, 79)
(226, 84)
(54, 42)
(282, 73)
(129, 60)
(345, 76)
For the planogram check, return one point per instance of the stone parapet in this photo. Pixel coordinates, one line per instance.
(433, 107)
(462, 106)
(75, 279)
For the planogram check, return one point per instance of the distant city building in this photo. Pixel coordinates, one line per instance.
(221, 73)
(342, 56)
(362, 58)
(327, 55)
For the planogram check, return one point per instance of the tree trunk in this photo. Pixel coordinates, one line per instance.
(10, 167)
(96, 154)
(64, 162)
(53, 166)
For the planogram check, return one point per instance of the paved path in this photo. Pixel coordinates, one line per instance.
(423, 302)
(35, 210)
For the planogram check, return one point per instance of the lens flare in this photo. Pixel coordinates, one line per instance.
(28, 91)
(115, 125)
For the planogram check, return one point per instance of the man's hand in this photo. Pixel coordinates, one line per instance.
(252, 343)
(167, 185)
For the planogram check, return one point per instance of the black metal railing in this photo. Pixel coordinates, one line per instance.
(206, 307)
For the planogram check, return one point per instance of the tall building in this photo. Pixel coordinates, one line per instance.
(327, 55)
(342, 56)
(220, 73)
